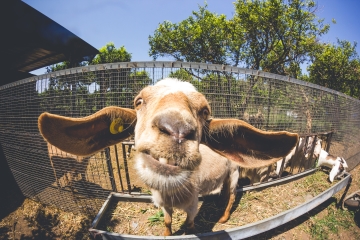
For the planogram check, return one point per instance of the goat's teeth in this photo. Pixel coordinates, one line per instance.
(163, 160)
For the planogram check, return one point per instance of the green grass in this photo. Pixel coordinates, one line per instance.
(335, 220)
(156, 218)
(315, 183)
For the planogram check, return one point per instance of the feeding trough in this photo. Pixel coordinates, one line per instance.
(240, 232)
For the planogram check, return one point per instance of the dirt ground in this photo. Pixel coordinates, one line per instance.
(22, 218)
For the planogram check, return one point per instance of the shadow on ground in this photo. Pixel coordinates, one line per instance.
(11, 196)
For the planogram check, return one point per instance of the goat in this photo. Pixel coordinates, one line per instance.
(338, 165)
(173, 134)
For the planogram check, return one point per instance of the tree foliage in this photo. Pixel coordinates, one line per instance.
(336, 67)
(58, 67)
(64, 65)
(203, 37)
(279, 35)
(110, 54)
(271, 35)
(90, 91)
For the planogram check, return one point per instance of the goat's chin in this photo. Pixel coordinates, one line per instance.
(160, 176)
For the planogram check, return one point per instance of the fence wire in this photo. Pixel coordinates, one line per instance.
(267, 101)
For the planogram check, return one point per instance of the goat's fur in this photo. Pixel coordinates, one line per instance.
(180, 150)
(256, 175)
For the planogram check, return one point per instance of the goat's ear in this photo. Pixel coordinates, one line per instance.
(246, 145)
(334, 171)
(87, 135)
(344, 164)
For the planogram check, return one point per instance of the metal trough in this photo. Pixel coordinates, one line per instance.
(245, 231)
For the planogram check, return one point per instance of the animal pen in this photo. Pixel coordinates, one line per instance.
(81, 184)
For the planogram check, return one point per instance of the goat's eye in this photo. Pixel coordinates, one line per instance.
(138, 102)
(205, 113)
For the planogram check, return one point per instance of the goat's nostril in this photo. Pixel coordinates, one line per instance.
(188, 134)
(176, 128)
(167, 129)
(178, 133)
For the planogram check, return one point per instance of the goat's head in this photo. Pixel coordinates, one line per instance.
(338, 169)
(170, 120)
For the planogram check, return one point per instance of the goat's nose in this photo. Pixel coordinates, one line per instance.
(175, 126)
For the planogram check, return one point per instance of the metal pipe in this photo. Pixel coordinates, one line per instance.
(118, 168)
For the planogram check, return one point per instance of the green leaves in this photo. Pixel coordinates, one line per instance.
(109, 54)
(203, 37)
(271, 35)
(279, 35)
(157, 217)
(336, 67)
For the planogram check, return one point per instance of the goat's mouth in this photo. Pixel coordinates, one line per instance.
(160, 165)
(161, 160)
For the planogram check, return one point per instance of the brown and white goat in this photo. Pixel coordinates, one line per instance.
(173, 137)
(338, 165)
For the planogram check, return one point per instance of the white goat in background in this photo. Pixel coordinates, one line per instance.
(337, 165)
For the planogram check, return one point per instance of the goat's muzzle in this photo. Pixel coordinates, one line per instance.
(176, 125)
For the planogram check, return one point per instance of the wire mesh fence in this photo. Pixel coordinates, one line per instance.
(267, 101)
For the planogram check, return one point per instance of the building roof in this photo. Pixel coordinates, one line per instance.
(31, 40)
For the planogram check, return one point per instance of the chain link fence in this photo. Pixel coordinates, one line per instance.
(268, 101)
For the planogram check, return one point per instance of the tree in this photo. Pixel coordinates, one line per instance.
(279, 34)
(74, 93)
(107, 54)
(270, 35)
(110, 54)
(336, 67)
(71, 94)
(107, 80)
(203, 37)
(64, 65)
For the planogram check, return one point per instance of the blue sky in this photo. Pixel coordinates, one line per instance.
(129, 23)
